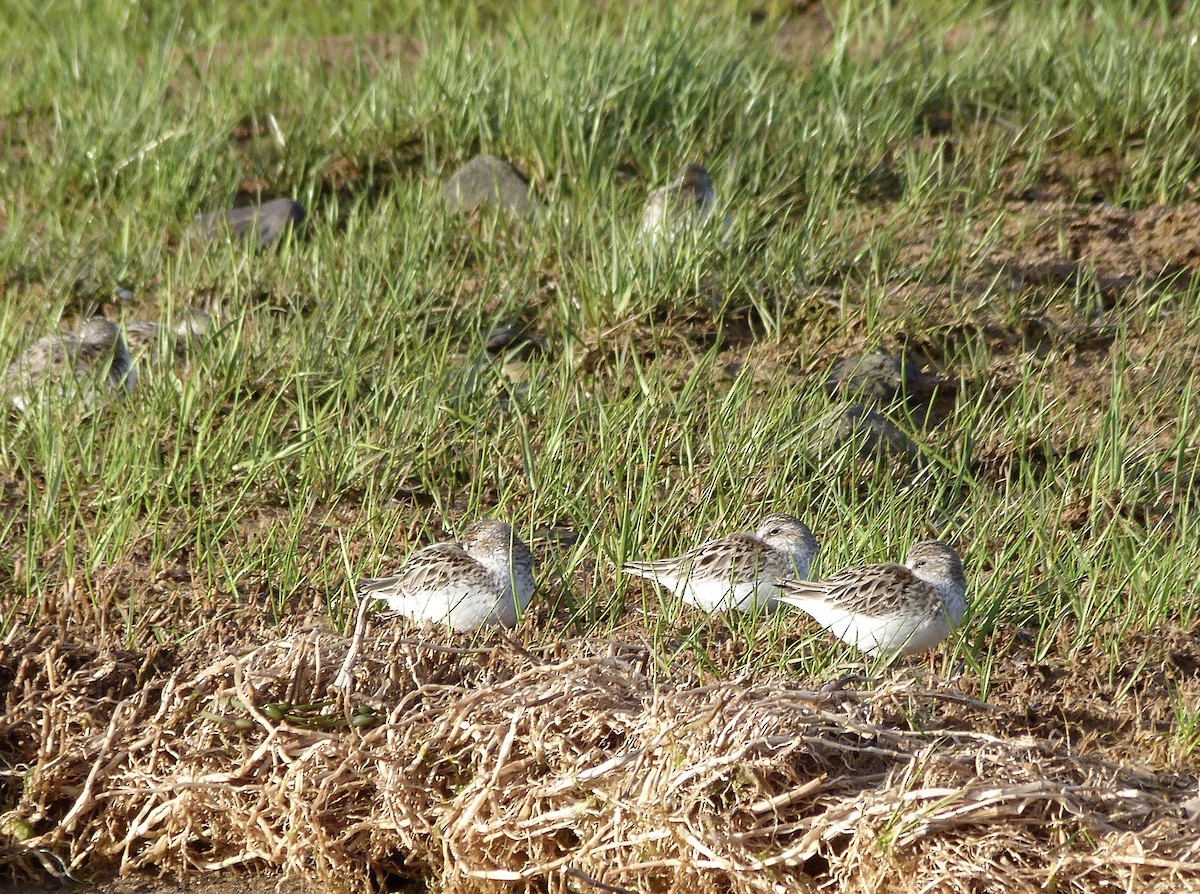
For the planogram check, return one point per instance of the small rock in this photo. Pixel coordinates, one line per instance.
(94, 358)
(557, 535)
(262, 224)
(875, 434)
(144, 337)
(685, 202)
(515, 344)
(875, 378)
(487, 180)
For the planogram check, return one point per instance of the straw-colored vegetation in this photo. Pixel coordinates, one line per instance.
(1004, 196)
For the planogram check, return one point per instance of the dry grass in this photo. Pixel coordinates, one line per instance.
(492, 765)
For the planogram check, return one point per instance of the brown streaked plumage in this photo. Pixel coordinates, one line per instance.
(889, 608)
(486, 578)
(739, 570)
(144, 337)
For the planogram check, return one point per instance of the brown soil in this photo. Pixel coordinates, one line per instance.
(228, 882)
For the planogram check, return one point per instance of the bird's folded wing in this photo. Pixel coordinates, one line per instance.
(871, 591)
(434, 567)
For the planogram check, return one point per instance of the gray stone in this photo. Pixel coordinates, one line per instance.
(514, 343)
(261, 224)
(875, 378)
(145, 337)
(487, 180)
(684, 202)
(876, 436)
(86, 363)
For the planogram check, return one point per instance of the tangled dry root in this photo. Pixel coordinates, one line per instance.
(577, 768)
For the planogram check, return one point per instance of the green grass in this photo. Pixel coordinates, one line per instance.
(343, 404)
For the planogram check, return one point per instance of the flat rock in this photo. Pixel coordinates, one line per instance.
(875, 378)
(513, 343)
(145, 338)
(487, 180)
(876, 436)
(86, 364)
(683, 203)
(261, 224)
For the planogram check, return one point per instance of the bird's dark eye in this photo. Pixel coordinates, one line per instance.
(919, 563)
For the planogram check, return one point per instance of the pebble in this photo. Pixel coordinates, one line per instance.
(875, 378)
(263, 224)
(487, 180)
(876, 435)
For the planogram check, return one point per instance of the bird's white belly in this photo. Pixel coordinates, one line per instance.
(461, 609)
(879, 634)
(717, 595)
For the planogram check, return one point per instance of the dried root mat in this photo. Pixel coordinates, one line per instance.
(494, 768)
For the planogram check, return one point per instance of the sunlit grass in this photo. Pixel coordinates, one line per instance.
(344, 413)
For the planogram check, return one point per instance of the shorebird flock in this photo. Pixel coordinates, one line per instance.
(486, 577)
(883, 610)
